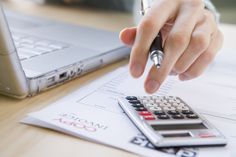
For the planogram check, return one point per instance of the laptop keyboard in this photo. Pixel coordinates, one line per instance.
(29, 46)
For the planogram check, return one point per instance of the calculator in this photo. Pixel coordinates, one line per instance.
(168, 121)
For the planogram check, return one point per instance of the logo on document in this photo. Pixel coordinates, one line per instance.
(73, 120)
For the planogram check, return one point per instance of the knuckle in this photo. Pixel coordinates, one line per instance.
(147, 25)
(208, 57)
(177, 39)
(199, 42)
(194, 3)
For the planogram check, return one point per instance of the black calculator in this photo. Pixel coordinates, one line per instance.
(168, 121)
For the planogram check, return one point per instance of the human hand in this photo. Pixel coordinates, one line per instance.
(191, 40)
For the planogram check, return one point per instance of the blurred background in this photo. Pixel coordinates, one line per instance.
(227, 8)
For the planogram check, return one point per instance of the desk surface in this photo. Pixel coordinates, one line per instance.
(26, 141)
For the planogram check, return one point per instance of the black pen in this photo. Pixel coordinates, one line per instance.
(156, 50)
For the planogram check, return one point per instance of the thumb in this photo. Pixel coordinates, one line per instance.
(127, 35)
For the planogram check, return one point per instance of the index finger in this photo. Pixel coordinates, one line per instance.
(147, 30)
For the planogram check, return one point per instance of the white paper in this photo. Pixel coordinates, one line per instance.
(92, 113)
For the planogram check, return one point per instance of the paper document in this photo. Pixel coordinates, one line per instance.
(93, 113)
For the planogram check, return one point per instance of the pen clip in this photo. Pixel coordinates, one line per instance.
(142, 11)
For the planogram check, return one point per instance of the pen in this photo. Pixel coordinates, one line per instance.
(156, 49)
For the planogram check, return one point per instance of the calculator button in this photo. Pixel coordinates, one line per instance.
(141, 109)
(163, 117)
(187, 112)
(155, 108)
(131, 98)
(192, 116)
(144, 101)
(164, 105)
(175, 104)
(159, 112)
(149, 105)
(145, 113)
(178, 116)
(173, 112)
(182, 108)
(134, 101)
(137, 105)
(150, 101)
(169, 108)
(174, 101)
(149, 117)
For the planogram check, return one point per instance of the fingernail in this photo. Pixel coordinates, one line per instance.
(152, 86)
(184, 77)
(136, 70)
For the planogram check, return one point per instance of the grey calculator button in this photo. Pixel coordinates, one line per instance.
(178, 116)
(163, 117)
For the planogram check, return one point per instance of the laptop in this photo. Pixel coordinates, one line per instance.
(37, 54)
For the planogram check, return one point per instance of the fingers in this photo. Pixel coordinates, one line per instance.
(128, 35)
(147, 30)
(198, 67)
(200, 41)
(175, 44)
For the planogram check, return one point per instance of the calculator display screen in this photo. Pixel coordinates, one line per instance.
(178, 127)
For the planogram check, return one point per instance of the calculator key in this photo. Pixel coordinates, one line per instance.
(134, 102)
(164, 105)
(137, 105)
(149, 105)
(175, 104)
(131, 98)
(178, 116)
(158, 101)
(187, 112)
(141, 109)
(192, 116)
(173, 112)
(155, 108)
(174, 101)
(159, 112)
(169, 108)
(182, 108)
(144, 113)
(163, 117)
(149, 117)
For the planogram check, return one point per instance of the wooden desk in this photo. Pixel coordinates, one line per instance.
(18, 140)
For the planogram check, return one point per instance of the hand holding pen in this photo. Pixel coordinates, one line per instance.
(189, 46)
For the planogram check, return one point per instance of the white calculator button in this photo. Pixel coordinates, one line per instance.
(164, 101)
(149, 105)
(144, 101)
(155, 108)
(169, 108)
(162, 104)
(182, 108)
(151, 101)
(182, 104)
(174, 100)
(157, 100)
(175, 104)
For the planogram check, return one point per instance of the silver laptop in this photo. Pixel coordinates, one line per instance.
(38, 54)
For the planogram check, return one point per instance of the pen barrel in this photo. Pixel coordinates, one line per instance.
(157, 44)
